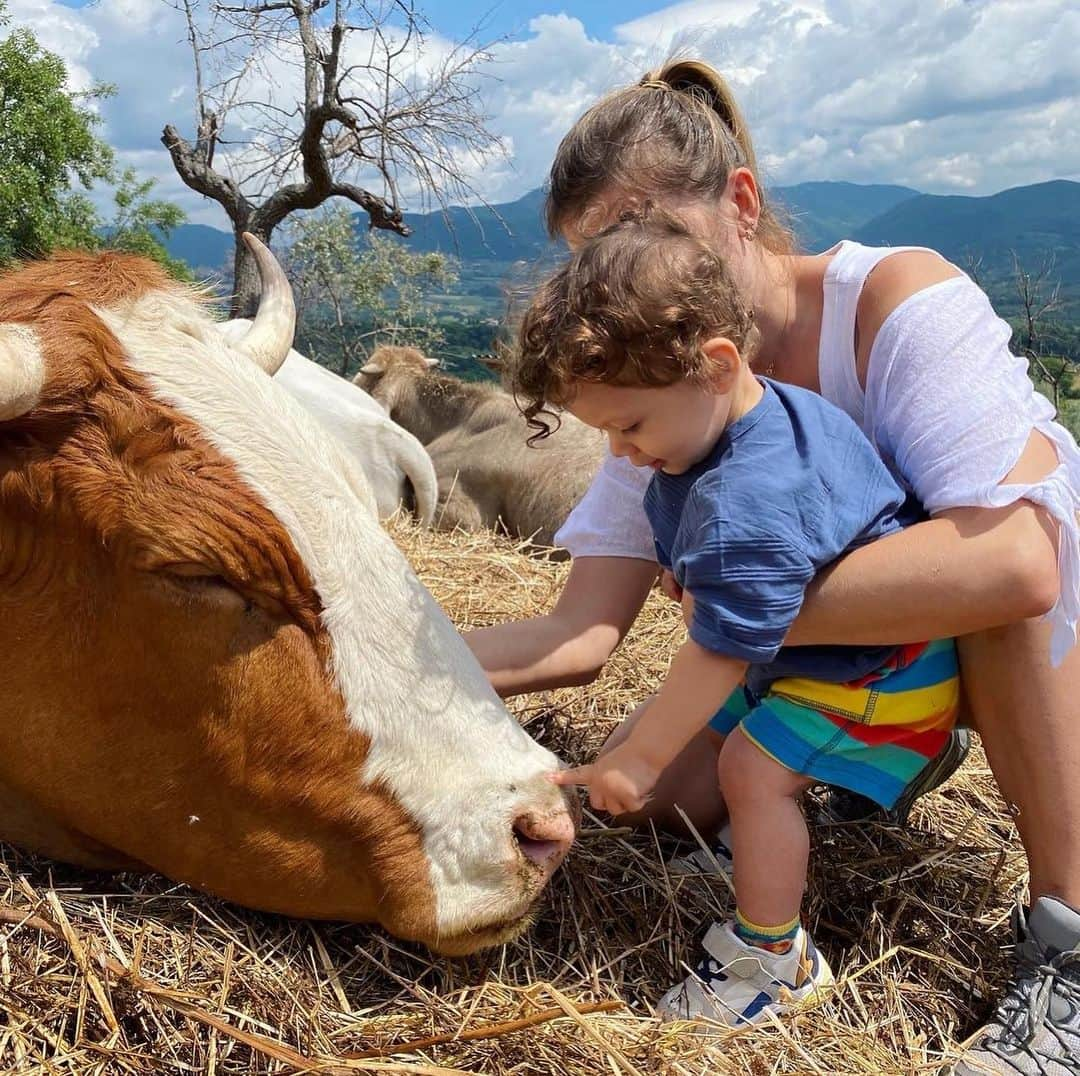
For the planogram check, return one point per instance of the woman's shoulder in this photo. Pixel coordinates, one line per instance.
(892, 282)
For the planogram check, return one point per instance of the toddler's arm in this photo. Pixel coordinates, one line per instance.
(697, 685)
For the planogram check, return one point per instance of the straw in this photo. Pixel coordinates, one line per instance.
(127, 973)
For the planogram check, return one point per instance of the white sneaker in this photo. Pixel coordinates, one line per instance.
(714, 860)
(736, 983)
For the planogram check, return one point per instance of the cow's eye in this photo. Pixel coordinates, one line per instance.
(196, 582)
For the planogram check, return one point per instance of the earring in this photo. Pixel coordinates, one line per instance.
(749, 232)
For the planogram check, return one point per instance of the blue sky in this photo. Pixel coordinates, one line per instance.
(599, 19)
(946, 96)
(512, 18)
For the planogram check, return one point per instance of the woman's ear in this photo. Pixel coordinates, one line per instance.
(742, 189)
(722, 361)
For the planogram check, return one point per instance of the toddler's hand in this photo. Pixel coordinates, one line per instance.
(619, 782)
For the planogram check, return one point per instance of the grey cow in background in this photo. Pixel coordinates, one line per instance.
(488, 475)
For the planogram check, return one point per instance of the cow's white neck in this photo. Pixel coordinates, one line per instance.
(440, 738)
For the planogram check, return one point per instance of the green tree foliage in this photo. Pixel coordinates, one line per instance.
(140, 222)
(341, 284)
(50, 155)
(47, 144)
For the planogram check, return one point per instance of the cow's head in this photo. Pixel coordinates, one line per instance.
(398, 362)
(215, 663)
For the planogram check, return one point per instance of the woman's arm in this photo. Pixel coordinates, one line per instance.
(568, 646)
(966, 570)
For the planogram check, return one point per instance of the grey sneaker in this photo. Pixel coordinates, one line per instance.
(715, 859)
(840, 805)
(1036, 1029)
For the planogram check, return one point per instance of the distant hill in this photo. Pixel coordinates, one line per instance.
(819, 213)
(201, 246)
(823, 213)
(1034, 221)
(513, 231)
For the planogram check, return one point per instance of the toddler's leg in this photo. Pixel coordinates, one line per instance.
(764, 962)
(770, 843)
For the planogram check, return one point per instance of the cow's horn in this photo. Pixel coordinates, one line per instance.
(271, 333)
(22, 371)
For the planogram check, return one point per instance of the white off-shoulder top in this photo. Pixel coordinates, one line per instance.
(946, 404)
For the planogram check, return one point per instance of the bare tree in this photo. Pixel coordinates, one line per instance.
(300, 101)
(1039, 297)
(973, 266)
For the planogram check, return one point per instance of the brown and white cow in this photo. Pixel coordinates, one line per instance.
(487, 472)
(214, 661)
(394, 462)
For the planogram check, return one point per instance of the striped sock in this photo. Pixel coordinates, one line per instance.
(773, 939)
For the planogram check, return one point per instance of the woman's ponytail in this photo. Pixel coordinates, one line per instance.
(677, 132)
(699, 80)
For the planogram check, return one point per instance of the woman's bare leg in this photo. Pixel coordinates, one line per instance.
(1028, 715)
(690, 781)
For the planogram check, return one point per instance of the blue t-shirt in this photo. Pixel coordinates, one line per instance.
(789, 487)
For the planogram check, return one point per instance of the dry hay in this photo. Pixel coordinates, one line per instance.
(131, 974)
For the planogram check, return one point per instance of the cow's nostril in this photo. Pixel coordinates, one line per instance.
(539, 852)
(543, 840)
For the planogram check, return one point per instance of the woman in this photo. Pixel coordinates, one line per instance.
(911, 349)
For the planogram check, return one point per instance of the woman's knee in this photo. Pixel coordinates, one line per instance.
(1011, 691)
(686, 789)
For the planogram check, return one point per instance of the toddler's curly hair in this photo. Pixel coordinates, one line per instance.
(632, 306)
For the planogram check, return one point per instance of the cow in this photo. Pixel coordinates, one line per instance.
(395, 463)
(488, 474)
(216, 664)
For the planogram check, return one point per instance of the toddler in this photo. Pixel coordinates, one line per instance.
(757, 487)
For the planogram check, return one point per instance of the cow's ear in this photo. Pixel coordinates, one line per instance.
(372, 368)
(431, 362)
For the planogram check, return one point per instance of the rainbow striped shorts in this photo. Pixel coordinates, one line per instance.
(872, 736)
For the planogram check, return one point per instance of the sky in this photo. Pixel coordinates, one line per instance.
(946, 96)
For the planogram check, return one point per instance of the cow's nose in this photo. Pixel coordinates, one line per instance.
(544, 838)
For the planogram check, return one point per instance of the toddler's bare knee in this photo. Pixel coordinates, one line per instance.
(738, 771)
(748, 775)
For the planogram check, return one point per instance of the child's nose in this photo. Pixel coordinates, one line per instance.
(618, 444)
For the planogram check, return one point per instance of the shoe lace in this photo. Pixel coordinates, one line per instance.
(709, 970)
(1025, 1009)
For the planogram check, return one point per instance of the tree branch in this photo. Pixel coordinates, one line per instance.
(193, 169)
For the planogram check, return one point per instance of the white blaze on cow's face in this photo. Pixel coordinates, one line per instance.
(441, 743)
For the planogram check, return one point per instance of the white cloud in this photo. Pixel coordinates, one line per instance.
(946, 95)
(62, 31)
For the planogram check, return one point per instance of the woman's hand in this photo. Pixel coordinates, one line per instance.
(670, 586)
(619, 782)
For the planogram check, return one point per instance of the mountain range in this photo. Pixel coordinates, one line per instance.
(1037, 223)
